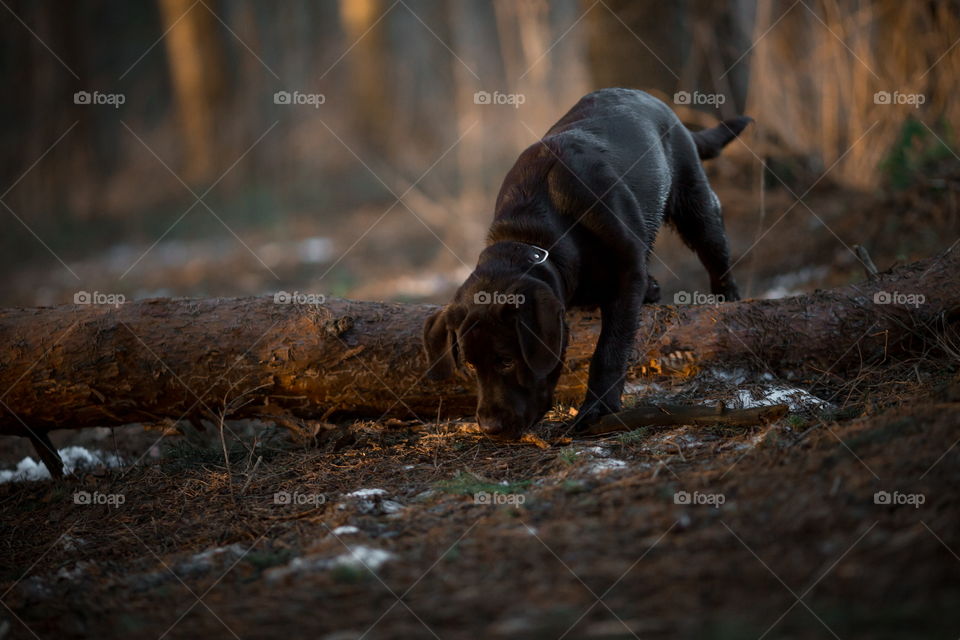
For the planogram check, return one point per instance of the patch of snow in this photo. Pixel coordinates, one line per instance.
(372, 502)
(424, 495)
(345, 530)
(78, 570)
(778, 291)
(297, 565)
(70, 543)
(684, 440)
(600, 452)
(360, 557)
(204, 560)
(603, 466)
(790, 284)
(74, 458)
(600, 460)
(794, 397)
(769, 389)
(391, 506)
(733, 376)
(366, 493)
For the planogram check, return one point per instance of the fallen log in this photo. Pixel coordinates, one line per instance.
(664, 415)
(161, 361)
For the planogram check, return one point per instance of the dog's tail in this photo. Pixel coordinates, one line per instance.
(711, 141)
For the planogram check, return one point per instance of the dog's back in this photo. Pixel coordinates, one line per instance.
(627, 137)
(642, 140)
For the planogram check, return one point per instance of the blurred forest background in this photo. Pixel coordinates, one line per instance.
(187, 173)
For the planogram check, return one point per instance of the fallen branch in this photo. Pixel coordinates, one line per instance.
(670, 414)
(163, 361)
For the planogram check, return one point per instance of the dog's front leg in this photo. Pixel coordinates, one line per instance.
(608, 367)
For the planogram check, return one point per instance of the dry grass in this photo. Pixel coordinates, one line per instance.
(817, 66)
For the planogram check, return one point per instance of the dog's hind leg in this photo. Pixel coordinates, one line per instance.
(696, 215)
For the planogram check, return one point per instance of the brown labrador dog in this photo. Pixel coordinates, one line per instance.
(575, 220)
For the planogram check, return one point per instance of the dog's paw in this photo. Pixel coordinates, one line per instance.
(652, 296)
(582, 421)
(729, 291)
(588, 413)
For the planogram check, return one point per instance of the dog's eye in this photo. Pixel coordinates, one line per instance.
(505, 364)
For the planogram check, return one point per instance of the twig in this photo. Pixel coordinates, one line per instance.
(868, 265)
(664, 415)
(252, 473)
(226, 455)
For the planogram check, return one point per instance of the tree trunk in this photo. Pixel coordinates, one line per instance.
(165, 360)
(196, 73)
(366, 34)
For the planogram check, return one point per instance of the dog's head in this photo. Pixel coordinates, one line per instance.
(511, 339)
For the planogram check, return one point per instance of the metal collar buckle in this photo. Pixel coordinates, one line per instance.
(539, 255)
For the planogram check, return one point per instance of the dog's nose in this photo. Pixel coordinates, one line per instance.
(490, 425)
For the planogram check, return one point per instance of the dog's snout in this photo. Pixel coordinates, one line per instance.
(499, 425)
(490, 425)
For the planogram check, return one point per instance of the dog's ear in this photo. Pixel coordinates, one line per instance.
(540, 329)
(440, 345)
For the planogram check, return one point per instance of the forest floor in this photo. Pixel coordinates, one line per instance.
(839, 521)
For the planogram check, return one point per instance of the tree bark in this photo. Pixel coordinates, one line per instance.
(164, 360)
